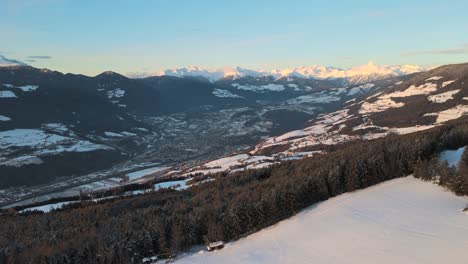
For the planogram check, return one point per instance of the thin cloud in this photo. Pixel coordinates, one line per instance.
(41, 57)
(453, 51)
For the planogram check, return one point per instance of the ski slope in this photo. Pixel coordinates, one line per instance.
(400, 221)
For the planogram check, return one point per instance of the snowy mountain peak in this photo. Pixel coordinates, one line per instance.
(367, 72)
(4, 62)
(212, 75)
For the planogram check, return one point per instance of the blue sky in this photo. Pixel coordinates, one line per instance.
(89, 36)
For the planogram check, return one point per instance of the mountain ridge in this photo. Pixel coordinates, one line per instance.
(354, 75)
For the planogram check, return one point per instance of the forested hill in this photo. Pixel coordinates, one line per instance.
(125, 230)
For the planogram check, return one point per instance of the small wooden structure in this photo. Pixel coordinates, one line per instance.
(215, 246)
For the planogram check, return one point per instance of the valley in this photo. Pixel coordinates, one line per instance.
(184, 141)
(137, 130)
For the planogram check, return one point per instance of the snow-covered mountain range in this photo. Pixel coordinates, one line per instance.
(357, 74)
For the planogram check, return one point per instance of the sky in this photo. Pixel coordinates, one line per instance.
(90, 37)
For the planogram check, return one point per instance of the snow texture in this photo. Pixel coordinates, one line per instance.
(404, 221)
(269, 87)
(450, 114)
(442, 97)
(7, 94)
(141, 173)
(44, 143)
(117, 93)
(434, 78)
(176, 185)
(225, 94)
(112, 134)
(28, 88)
(4, 118)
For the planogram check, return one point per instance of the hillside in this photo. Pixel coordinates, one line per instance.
(393, 222)
(171, 220)
(109, 124)
(414, 103)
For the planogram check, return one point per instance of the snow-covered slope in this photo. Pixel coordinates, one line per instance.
(401, 221)
(422, 102)
(359, 74)
(4, 62)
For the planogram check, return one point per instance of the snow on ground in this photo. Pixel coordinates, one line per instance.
(442, 97)
(269, 87)
(232, 163)
(28, 88)
(225, 94)
(20, 161)
(452, 157)
(227, 162)
(259, 165)
(44, 143)
(7, 94)
(117, 93)
(371, 136)
(292, 134)
(73, 145)
(335, 117)
(48, 207)
(317, 98)
(449, 114)
(447, 83)
(141, 129)
(112, 134)
(385, 102)
(294, 86)
(405, 221)
(434, 78)
(408, 130)
(176, 185)
(128, 134)
(382, 104)
(28, 138)
(317, 129)
(367, 126)
(141, 173)
(413, 90)
(56, 127)
(361, 88)
(98, 185)
(4, 118)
